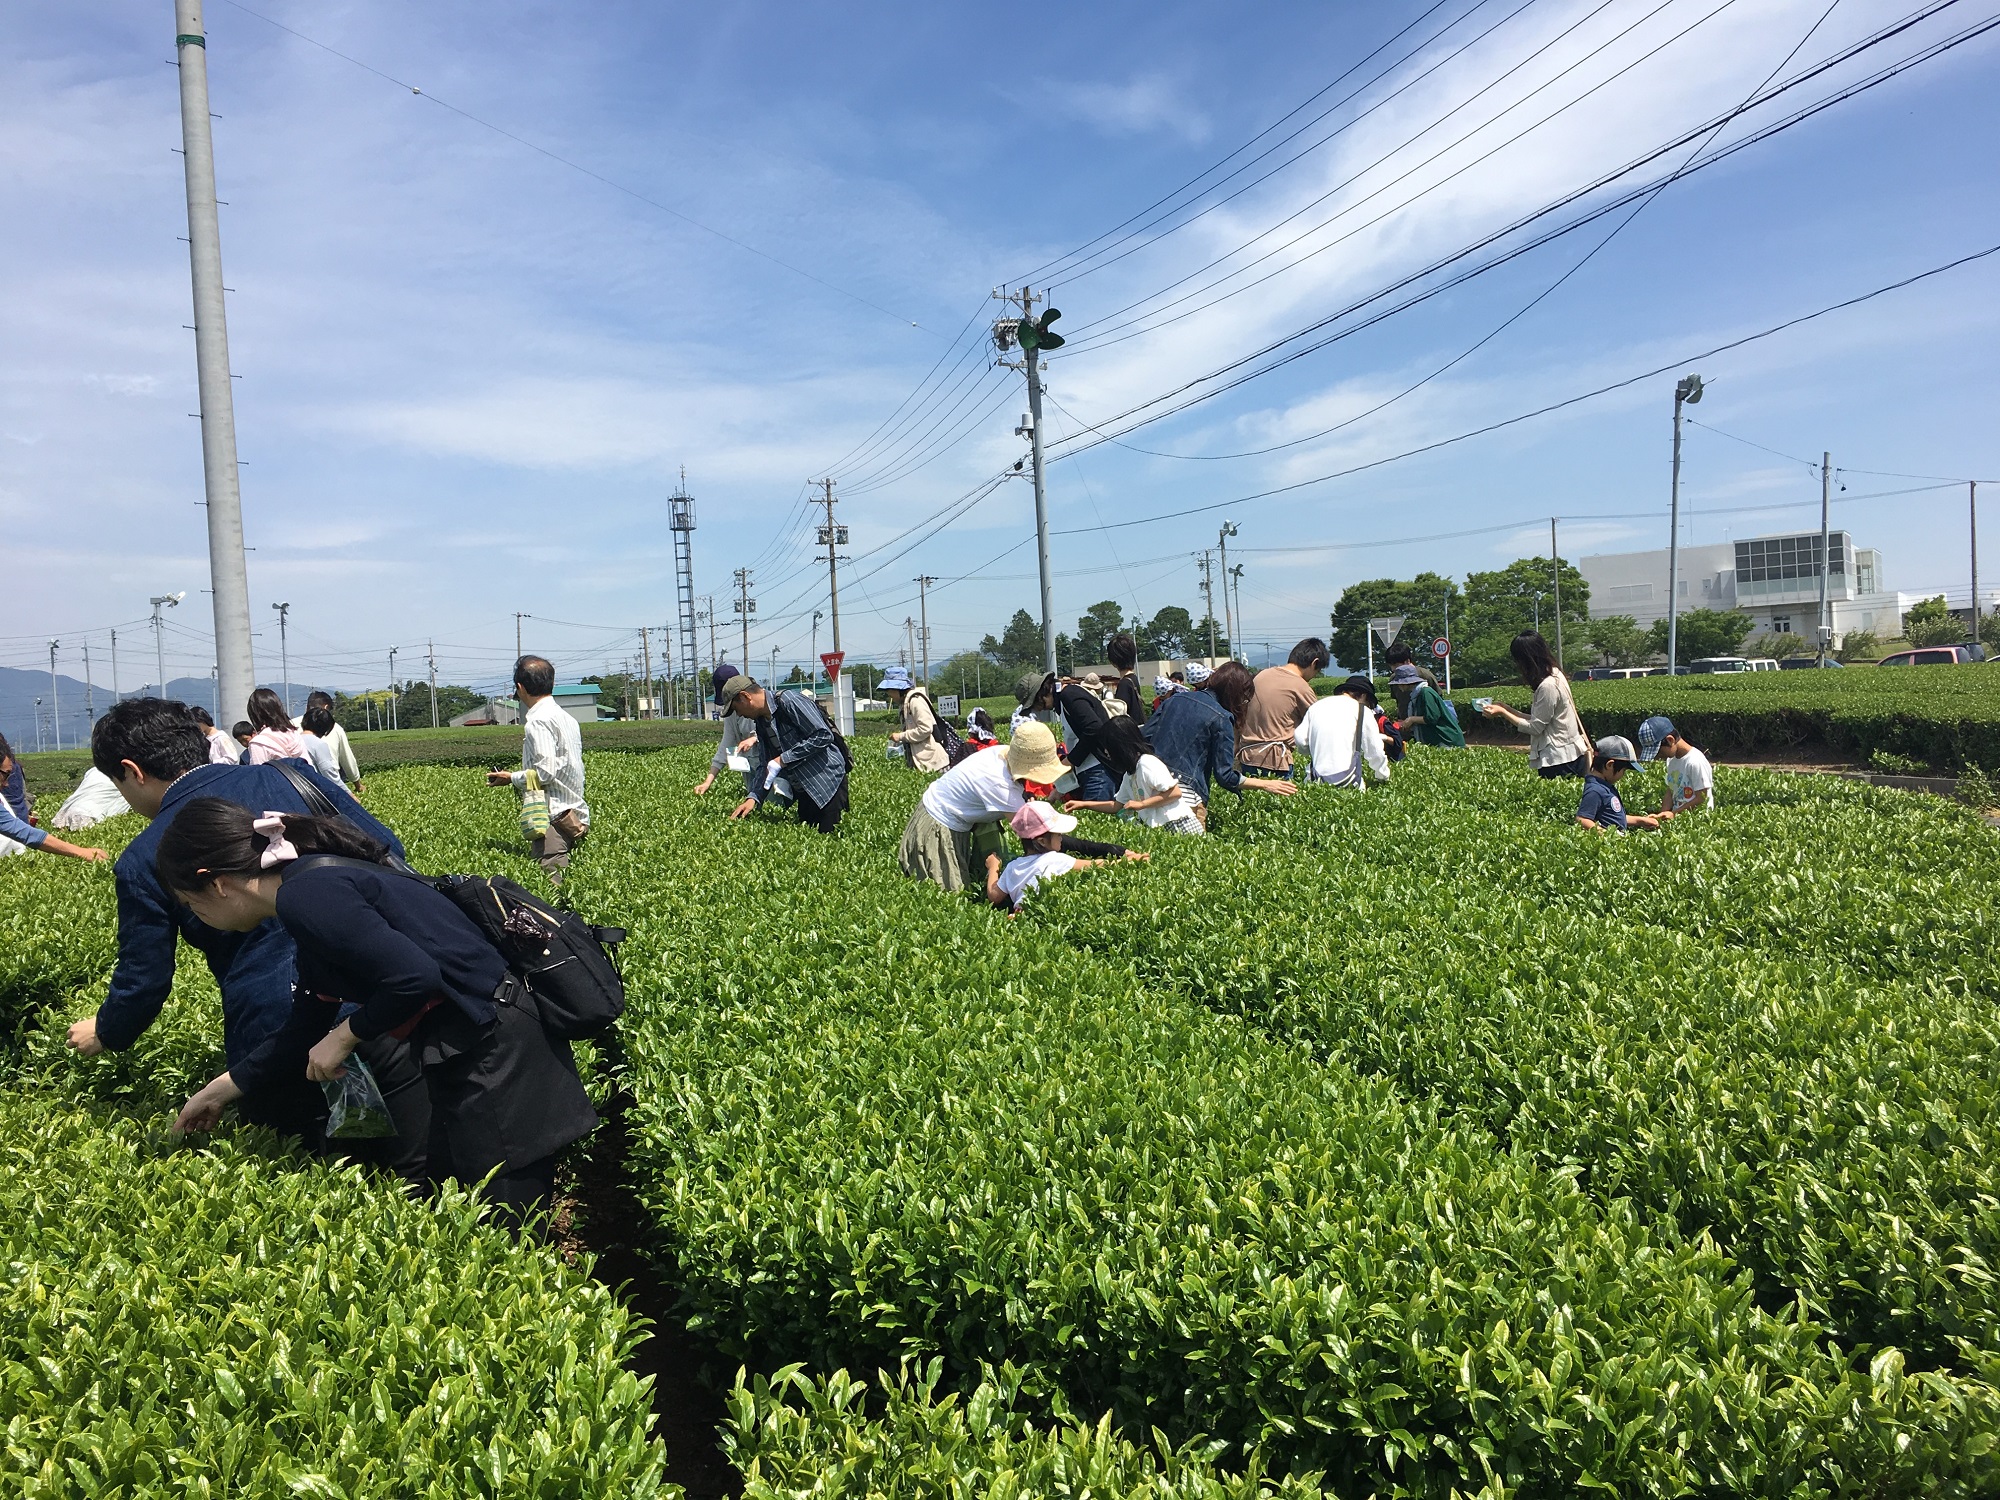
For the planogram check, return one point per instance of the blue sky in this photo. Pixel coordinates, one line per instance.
(471, 373)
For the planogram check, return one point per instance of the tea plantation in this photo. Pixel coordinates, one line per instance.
(1408, 1143)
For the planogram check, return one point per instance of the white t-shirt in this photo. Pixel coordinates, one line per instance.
(1686, 775)
(1149, 780)
(1022, 875)
(979, 789)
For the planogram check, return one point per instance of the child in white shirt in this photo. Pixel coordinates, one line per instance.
(1041, 829)
(1690, 777)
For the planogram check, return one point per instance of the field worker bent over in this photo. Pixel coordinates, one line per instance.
(956, 824)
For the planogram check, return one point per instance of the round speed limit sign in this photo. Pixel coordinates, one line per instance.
(1440, 647)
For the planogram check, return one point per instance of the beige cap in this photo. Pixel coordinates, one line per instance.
(1032, 756)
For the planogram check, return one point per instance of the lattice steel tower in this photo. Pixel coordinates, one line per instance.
(680, 519)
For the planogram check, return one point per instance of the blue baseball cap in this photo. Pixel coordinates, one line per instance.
(722, 673)
(1654, 733)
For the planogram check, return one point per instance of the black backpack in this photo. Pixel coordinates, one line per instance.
(571, 966)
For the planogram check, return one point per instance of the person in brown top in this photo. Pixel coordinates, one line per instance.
(1279, 699)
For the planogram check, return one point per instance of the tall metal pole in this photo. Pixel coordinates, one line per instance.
(818, 615)
(55, 696)
(1972, 514)
(114, 666)
(89, 688)
(285, 654)
(1556, 567)
(236, 672)
(430, 654)
(1686, 389)
(744, 604)
(1033, 362)
(1234, 579)
(1228, 616)
(1208, 595)
(393, 716)
(1825, 620)
(519, 615)
(1447, 640)
(924, 613)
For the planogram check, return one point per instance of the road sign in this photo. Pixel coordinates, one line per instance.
(948, 705)
(1440, 647)
(831, 660)
(1386, 629)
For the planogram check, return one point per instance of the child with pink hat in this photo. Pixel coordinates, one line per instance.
(1041, 828)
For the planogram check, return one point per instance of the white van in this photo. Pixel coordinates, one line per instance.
(1708, 664)
(1761, 664)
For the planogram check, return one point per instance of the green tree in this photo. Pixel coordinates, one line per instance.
(1420, 600)
(1620, 641)
(1171, 633)
(1930, 623)
(1100, 622)
(1860, 645)
(1704, 632)
(1020, 645)
(1521, 596)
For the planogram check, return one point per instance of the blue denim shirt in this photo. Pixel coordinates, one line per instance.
(1195, 735)
(254, 969)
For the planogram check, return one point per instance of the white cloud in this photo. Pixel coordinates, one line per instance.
(1147, 105)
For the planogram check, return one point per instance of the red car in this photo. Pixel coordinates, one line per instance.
(1929, 656)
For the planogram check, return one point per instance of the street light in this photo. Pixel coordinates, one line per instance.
(160, 601)
(1686, 393)
(1228, 616)
(55, 693)
(392, 687)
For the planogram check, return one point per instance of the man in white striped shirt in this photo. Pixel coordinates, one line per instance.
(551, 747)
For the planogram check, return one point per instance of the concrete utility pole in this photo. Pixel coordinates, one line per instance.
(1972, 514)
(114, 666)
(646, 653)
(1228, 615)
(1208, 597)
(1006, 335)
(1825, 620)
(393, 715)
(745, 608)
(519, 616)
(924, 618)
(285, 654)
(236, 672)
(162, 601)
(818, 615)
(90, 691)
(909, 652)
(1687, 392)
(1556, 567)
(55, 696)
(1233, 579)
(430, 655)
(831, 537)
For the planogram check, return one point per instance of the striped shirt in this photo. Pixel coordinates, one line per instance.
(552, 747)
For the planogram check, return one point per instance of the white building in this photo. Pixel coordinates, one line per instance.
(1774, 579)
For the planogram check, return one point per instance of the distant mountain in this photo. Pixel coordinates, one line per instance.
(20, 714)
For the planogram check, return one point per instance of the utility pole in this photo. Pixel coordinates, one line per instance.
(1208, 596)
(228, 577)
(1556, 567)
(708, 613)
(55, 696)
(646, 653)
(285, 654)
(162, 601)
(1032, 336)
(114, 666)
(1234, 579)
(1228, 616)
(430, 655)
(832, 538)
(745, 608)
(1973, 513)
(90, 690)
(393, 715)
(1447, 639)
(817, 617)
(1687, 392)
(924, 615)
(909, 642)
(1825, 620)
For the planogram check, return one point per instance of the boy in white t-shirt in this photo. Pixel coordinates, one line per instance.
(1041, 829)
(1690, 777)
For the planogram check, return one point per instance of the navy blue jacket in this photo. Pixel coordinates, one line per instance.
(254, 969)
(1195, 735)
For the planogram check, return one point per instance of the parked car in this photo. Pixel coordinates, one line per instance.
(1928, 656)
(1761, 664)
(1622, 672)
(1708, 664)
(1793, 663)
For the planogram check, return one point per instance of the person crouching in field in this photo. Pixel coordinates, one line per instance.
(1601, 807)
(1690, 778)
(956, 823)
(388, 967)
(1041, 830)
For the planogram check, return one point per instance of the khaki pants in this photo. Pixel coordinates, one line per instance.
(566, 831)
